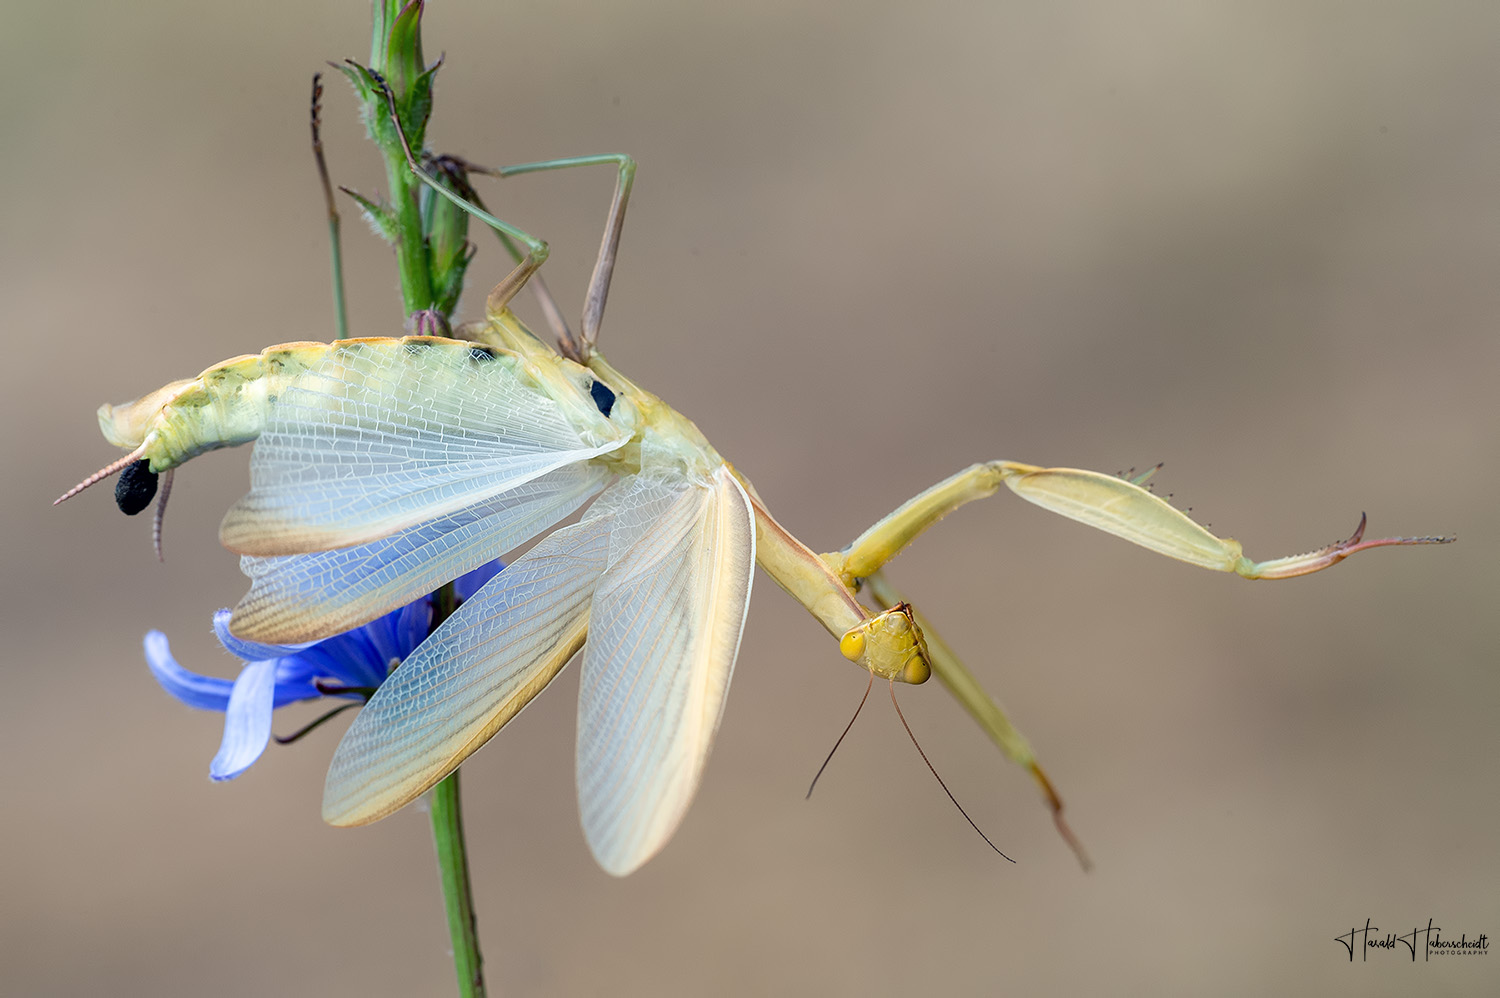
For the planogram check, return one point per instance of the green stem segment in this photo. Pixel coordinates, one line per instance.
(396, 53)
(453, 857)
(396, 57)
(340, 311)
(453, 865)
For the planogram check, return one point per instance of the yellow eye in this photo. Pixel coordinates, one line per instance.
(917, 671)
(853, 645)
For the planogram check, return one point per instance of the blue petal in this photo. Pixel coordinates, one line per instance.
(412, 626)
(294, 682)
(468, 584)
(381, 643)
(250, 651)
(349, 658)
(295, 679)
(203, 692)
(247, 722)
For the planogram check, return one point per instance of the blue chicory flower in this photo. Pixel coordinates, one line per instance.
(348, 665)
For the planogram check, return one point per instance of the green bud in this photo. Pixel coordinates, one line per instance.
(396, 58)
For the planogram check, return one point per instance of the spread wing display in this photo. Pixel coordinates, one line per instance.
(472, 675)
(657, 575)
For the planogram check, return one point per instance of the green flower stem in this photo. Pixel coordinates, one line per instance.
(453, 865)
(396, 53)
(340, 311)
(453, 858)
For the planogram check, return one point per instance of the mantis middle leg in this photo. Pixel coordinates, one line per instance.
(536, 250)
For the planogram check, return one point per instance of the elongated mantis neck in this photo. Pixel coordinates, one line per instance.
(796, 568)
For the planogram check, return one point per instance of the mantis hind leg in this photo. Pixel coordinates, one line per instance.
(604, 265)
(609, 244)
(536, 251)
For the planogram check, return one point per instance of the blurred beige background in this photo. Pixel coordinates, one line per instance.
(869, 244)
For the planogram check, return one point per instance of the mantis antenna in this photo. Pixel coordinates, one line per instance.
(870, 686)
(897, 704)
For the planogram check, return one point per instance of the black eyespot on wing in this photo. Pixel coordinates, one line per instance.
(481, 354)
(135, 488)
(604, 398)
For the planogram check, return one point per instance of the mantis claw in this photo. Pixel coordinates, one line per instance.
(1327, 557)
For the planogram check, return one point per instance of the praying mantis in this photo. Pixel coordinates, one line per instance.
(384, 467)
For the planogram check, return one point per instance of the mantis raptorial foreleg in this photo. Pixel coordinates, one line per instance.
(1114, 505)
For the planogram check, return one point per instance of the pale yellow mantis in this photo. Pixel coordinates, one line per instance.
(386, 467)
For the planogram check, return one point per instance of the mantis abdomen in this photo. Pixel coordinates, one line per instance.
(230, 403)
(227, 405)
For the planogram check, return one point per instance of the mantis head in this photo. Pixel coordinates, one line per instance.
(890, 645)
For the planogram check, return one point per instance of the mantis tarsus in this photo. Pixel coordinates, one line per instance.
(385, 467)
